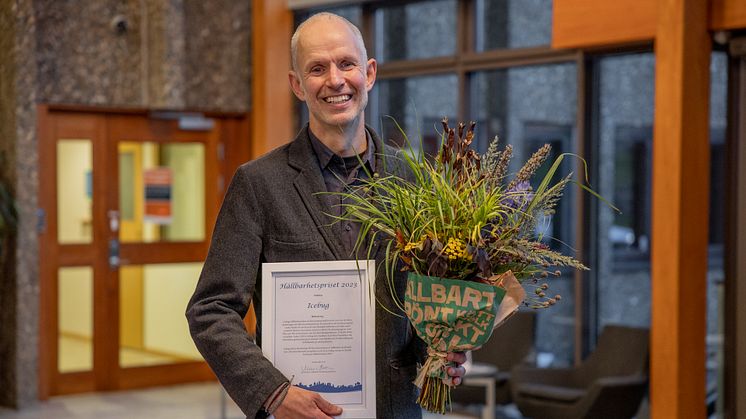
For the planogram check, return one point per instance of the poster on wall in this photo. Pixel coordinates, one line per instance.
(158, 182)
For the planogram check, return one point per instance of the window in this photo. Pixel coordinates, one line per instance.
(512, 23)
(624, 140)
(415, 30)
(624, 144)
(716, 272)
(529, 106)
(413, 107)
(433, 64)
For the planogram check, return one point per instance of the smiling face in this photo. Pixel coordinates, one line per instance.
(332, 75)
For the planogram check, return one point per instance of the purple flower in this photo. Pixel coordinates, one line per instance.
(518, 196)
(514, 200)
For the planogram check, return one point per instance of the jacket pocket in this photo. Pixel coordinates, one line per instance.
(295, 250)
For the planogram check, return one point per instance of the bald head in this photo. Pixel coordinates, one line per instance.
(321, 19)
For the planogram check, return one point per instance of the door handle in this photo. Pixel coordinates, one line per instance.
(114, 260)
(113, 221)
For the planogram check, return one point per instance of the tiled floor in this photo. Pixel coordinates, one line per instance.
(192, 401)
(197, 401)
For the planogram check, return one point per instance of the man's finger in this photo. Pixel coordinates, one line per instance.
(456, 371)
(326, 407)
(457, 357)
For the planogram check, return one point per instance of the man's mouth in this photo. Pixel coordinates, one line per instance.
(337, 99)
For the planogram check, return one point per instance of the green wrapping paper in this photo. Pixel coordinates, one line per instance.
(452, 315)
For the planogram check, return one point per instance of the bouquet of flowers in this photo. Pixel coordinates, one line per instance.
(467, 236)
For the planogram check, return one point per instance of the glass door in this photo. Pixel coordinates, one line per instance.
(162, 201)
(127, 203)
(70, 201)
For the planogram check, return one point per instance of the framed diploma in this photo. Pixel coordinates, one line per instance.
(318, 327)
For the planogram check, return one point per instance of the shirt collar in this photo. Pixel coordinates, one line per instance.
(325, 155)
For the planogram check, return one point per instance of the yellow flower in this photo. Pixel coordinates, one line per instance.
(455, 249)
(412, 245)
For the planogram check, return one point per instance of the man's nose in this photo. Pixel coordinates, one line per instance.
(335, 78)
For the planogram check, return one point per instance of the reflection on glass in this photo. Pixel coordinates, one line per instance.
(627, 84)
(75, 319)
(528, 107)
(715, 270)
(512, 24)
(417, 104)
(161, 192)
(626, 141)
(152, 330)
(74, 191)
(415, 30)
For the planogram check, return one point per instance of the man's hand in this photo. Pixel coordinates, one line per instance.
(300, 403)
(458, 371)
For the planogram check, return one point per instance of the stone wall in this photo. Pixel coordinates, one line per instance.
(217, 56)
(7, 130)
(19, 286)
(157, 54)
(82, 59)
(176, 54)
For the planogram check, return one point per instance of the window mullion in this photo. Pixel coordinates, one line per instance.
(464, 24)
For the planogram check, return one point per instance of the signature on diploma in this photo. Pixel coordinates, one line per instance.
(312, 369)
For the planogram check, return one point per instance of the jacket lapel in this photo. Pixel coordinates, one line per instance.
(309, 183)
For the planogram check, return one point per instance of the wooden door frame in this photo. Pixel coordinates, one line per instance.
(52, 255)
(227, 142)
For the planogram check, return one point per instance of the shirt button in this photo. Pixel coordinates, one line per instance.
(348, 227)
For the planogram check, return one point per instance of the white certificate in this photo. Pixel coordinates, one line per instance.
(318, 327)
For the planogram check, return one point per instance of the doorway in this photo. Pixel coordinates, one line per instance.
(126, 208)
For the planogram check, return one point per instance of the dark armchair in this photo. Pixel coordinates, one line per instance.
(511, 344)
(609, 384)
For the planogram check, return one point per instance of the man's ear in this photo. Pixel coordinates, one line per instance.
(295, 85)
(370, 74)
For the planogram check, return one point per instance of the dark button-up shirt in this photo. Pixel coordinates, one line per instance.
(340, 173)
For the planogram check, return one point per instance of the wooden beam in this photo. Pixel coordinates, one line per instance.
(681, 159)
(727, 14)
(591, 23)
(603, 23)
(273, 117)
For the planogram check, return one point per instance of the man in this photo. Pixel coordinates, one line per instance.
(273, 212)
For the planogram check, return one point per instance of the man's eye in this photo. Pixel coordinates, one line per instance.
(316, 70)
(346, 65)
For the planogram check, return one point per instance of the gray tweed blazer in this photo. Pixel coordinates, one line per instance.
(271, 213)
